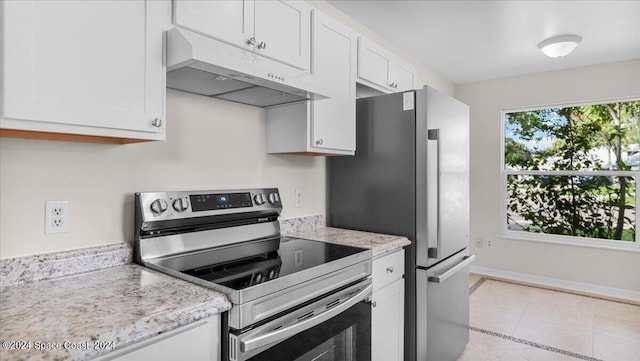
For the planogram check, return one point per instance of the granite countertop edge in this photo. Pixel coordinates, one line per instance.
(151, 326)
(94, 294)
(80, 309)
(380, 244)
(312, 227)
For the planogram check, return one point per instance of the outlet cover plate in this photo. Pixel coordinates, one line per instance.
(56, 217)
(298, 198)
(479, 242)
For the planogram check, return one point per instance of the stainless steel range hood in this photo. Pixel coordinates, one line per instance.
(202, 65)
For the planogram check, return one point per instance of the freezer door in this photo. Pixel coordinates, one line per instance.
(443, 309)
(442, 168)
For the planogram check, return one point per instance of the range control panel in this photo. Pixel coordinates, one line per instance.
(177, 205)
(215, 201)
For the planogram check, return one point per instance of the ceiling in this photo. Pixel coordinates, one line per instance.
(468, 41)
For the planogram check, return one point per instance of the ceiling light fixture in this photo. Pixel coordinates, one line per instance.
(559, 46)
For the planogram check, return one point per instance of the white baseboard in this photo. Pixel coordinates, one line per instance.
(579, 287)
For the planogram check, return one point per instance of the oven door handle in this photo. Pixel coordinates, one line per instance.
(284, 333)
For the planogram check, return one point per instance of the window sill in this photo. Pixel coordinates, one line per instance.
(571, 241)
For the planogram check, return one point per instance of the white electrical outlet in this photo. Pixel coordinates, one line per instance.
(489, 243)
(298, 198)
(479, 243)
(57, 215)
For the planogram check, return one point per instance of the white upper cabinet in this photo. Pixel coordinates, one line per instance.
(382, 71)
(401, 76)
(326, 126)
(373, 63)
(276, 29)
(227, 20)
(283, 31)
(334, 66)
(73, 69)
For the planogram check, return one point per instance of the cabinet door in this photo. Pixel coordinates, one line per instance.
(83, 67)
(283, 31)
(401, 76)
(334, 46)
(227, 20)
(197, 342)
(373, 63)
(387, 323)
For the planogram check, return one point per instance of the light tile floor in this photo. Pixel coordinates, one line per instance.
(516, 322)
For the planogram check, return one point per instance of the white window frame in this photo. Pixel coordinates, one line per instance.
(555, 238)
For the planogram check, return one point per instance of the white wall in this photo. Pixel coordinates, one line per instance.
(211, 144)
(487, 99)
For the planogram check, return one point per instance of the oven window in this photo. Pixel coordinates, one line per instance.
(345, 337)
(339, 347)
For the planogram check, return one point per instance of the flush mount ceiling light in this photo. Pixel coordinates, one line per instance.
(559, 46)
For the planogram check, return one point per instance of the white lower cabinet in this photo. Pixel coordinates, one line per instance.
(387, 314)
(199, 341)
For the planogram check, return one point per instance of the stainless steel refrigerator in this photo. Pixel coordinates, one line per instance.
(410, 177)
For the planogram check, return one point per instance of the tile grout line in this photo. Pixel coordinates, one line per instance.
(534, 344)
(477, 285)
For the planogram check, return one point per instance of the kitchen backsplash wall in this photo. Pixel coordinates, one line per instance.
(211, 144)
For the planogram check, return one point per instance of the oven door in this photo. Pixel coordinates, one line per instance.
(336, 327)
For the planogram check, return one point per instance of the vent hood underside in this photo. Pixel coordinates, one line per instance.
(202, 65)
(204, 83)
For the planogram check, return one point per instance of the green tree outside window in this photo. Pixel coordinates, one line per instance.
(572, 170)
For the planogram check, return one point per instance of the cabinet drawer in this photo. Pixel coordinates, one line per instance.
(387, 269)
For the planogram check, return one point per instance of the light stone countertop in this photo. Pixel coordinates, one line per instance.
(46, 266)
(96, 294)
(124, 304)
(379, 244)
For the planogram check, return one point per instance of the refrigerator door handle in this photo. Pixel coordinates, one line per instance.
(451, 271)
(433, 193)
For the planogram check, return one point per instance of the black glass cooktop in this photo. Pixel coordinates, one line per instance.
(286, 257)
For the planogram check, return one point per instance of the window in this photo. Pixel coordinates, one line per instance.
(571, 174)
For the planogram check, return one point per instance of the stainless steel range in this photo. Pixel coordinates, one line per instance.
(293, 298)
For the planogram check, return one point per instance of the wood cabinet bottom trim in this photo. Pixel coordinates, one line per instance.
(67, 137)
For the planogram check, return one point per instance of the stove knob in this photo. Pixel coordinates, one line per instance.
(272, 274)
(258, 278)
(274, 198)
(181, 204)
(158, 206)
(259, 199)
